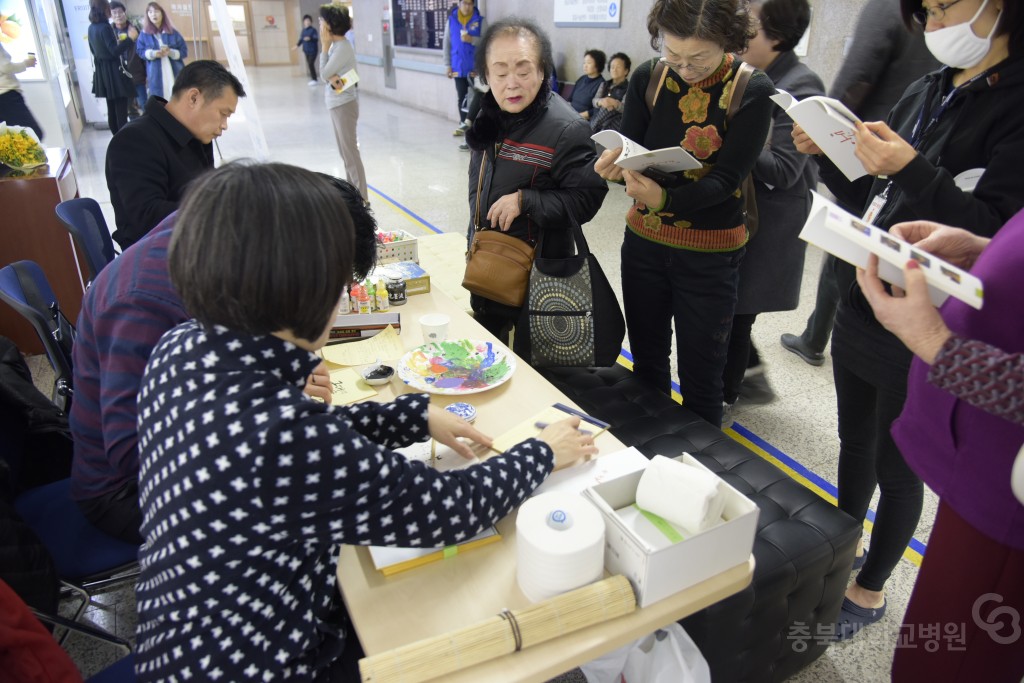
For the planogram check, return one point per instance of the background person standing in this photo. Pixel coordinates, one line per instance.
(309, 40)
(336, 59)
(130, 59)
(164, 50)
(13, 109)
(464, 21)
(109, 81)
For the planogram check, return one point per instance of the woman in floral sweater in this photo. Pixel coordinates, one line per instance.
(685, 237)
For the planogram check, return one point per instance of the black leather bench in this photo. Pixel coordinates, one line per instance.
(803, 549)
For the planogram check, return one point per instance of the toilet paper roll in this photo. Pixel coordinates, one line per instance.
(559, 544)
(682, 494)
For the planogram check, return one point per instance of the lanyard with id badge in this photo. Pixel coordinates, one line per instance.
(918, 135)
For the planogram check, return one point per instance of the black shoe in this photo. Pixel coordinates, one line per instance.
(797, 345)
(464, 147)
(755, 388)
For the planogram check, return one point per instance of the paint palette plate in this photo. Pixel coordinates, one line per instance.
(457, 367)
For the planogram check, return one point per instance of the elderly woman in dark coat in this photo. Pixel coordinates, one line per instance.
(771, 269)
(535, 152)
(108, 81)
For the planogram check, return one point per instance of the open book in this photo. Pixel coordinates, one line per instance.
(635, 157)
(830, 124)
(851, 239)
(343, 82)
(389, 560)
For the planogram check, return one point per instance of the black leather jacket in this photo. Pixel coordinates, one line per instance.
(546, 152)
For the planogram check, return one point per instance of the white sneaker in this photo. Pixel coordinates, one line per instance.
(727, 414)
(313, 83)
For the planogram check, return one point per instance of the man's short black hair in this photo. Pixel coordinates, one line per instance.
(306, 16)
(118, 5)
(262, 248)
(785, 21)
(598, 57)
(209, 77)
(364, 247)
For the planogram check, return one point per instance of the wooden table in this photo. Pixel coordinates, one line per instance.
(389, 612)
(31, 231)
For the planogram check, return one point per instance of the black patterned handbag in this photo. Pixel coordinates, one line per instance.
(571, 317)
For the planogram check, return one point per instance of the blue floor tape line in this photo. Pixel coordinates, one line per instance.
(407, 210)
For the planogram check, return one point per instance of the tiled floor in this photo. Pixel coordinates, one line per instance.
(419, 183)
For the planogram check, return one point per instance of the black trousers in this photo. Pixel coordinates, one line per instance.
(868, 456)
(116, 513)
(696, 291)
(311, 64)
(15, 112)
(819, 324)
(117, 113)
(742, 355)
(461, 88)
(498, 319)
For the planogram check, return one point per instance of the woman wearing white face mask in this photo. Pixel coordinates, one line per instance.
(949, 151)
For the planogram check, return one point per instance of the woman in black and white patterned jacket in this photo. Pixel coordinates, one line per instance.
(248, 487)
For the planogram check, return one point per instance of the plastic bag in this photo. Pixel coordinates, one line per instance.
(666, 656)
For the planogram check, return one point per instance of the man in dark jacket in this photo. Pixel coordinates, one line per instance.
(152, 159)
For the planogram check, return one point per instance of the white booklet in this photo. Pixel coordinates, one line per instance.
(636, 157)
(343, 82)
(847, 237)
(830, 124)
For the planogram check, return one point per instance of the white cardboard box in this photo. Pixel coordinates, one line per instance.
(659, 569)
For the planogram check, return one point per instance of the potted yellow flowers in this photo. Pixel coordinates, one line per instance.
(20, 150)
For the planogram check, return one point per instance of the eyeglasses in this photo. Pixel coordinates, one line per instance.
(936, 12)
(692, 68)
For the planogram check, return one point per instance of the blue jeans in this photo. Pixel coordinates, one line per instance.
(140, 96)
(695, 289)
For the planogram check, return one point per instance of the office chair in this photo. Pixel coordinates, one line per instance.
(16, 620)
(84, 220)
(88, 560)
(24, 286)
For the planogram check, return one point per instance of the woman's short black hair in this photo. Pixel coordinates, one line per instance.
(262, 248)
(515, 26)
(598, 57)
(337, 19)
(785, 21)
(99, 11)
(624, 58)
(364, 245)
(725, 22)
(1011, 21)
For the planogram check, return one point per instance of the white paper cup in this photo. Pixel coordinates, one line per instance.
(434, 327)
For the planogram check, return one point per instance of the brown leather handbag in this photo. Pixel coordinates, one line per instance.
(498, 265)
